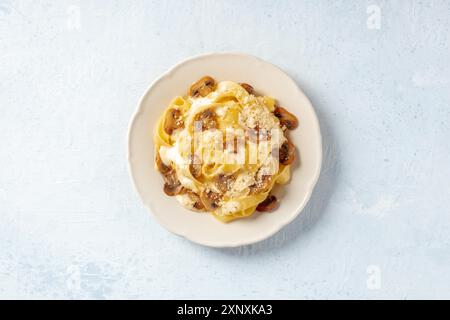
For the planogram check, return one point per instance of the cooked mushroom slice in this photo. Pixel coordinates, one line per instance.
(195, 167)
(262, 183)
(172, 185)
(269, 204)
(286, 118)
(287, 153)
(208, 119)
(197, 203)
(172, 121)
(224, 182)
(202, 87)
(210, 199)
(247, 87)
(160, 165)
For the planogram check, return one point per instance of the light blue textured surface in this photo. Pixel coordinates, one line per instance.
(377, 226)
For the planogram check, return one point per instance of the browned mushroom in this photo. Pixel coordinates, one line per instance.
(247, 87)
(224, 182)
(286, 118)
(172, 185)
(207, 118)
(269, 204)
(202, 87)
(160, 165)
(195, 167)
(210, 199)
(287, 153)
(197, 203)
(172, 121)
(262, 184)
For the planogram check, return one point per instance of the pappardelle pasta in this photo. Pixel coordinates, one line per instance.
(222, 148)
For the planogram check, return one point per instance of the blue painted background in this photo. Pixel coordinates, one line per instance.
(377, 72)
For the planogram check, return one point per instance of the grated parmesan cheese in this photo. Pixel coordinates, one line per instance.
(230, 207)
(241, 185)
(258, 116)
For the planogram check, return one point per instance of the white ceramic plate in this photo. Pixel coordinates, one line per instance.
(203, 228)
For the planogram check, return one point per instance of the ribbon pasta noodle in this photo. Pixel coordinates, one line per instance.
(222, 149)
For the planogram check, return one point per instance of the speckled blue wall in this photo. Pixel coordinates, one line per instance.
(377, 72)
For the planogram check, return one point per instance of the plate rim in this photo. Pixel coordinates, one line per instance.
(277, 227)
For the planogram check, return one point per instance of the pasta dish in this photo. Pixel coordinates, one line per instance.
(223, 147)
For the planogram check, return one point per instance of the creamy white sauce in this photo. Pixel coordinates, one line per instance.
(230, 207)
(171, 155)
(221, 111)
(187, 182)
